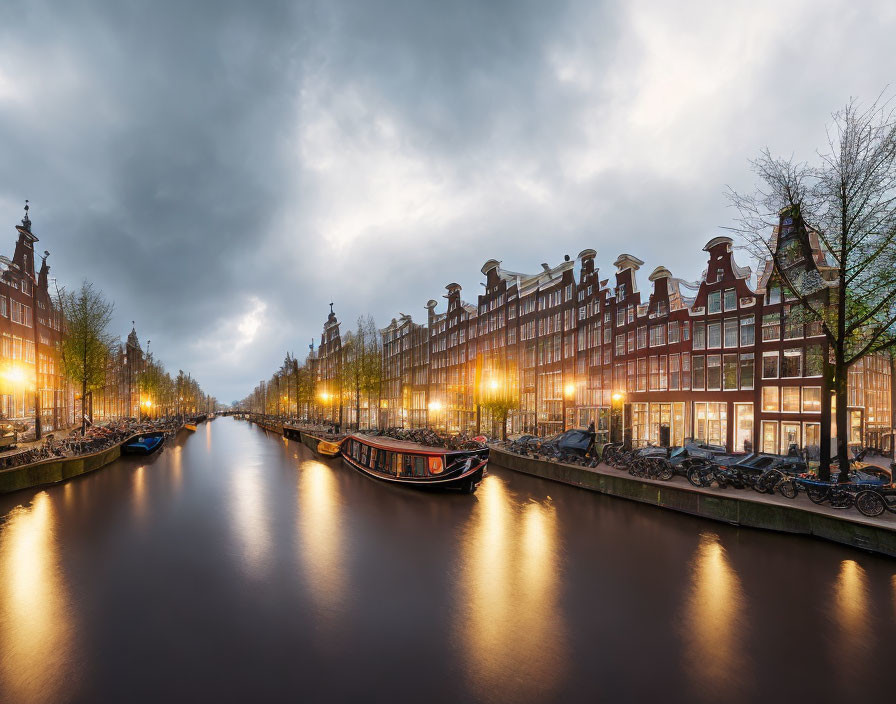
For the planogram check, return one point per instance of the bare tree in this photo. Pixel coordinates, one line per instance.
(847, 204)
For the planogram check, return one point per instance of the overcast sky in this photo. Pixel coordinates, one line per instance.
(223, 170)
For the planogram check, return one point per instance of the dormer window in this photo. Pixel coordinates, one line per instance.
(620, 291)
(720, 273)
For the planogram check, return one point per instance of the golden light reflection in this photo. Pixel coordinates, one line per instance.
(894, 596)
(176, 465)
(208, 437)
(510, 613)
(320, 535)
(37, 630)
(715, 620)
(250, 518)
(139, 491)
(851, 615)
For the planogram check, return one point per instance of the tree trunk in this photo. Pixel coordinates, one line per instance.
(840, 393)
(824, 445)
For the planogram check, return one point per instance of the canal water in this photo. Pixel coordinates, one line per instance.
(237, 567)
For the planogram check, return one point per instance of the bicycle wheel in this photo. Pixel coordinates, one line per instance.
(818, 494)
(696, 475)
(870, 503)
(665, 470)
(787, 488)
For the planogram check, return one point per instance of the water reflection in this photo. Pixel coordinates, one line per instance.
(36, 628)
(714, 621)
(510, 610)
(851, 614)
(320, 534)
(250, 517)
(139, 491)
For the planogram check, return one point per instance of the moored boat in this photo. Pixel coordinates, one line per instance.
(190, 425)
(143, 444)
(416, 465)
(326, 447)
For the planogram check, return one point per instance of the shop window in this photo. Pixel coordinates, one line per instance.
(790, 437)
(770, 436)
(743, 427)
(711, 423)
(812, 440)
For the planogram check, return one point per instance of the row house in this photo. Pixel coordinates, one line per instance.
(329, 386)
(405, 374)
(716, 360)
(120, 395)
(31, 380)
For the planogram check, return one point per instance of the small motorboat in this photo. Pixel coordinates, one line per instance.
(190, 425)
(144, 444)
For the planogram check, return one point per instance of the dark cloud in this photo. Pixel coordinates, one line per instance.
(223, 170)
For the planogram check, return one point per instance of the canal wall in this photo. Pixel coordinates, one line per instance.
(53, 471)
(741, 509)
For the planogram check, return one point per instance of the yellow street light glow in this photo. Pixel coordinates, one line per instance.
(15, 374)
(435, 406)
(570, 389)
(618, 396)
(494, 384)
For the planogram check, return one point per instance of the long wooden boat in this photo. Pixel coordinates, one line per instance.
(412, 464)
(190, 425)
(144, 444)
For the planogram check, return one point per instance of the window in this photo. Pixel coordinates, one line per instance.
(730, 299)
(771, 326)
(664, 380)
(620, 345)
(793, 363)
(770, 436)
(642, 337)
(620, 316)
(720, 274)
(811, 399)
(714, 335)
(3, 310)
(770, 365)
(743, 427)
(770, 398)
(674, 373)
(747, 330)
(631, 340)
(714, 302)
(699, 336)
(685, 331)
(620, 291)
(657, 335)
(642, 374)
(729, 372)
(773, 294)
(630, 314)
(814, 360)
(730, 332)
(673, 332)
(654, 374)
(793, 323)
(713, 372)
(685, 371)
(698, 379)
(746, 371)
(790, 399)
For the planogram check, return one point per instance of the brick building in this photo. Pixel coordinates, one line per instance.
(720, 359)
(31, 382)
